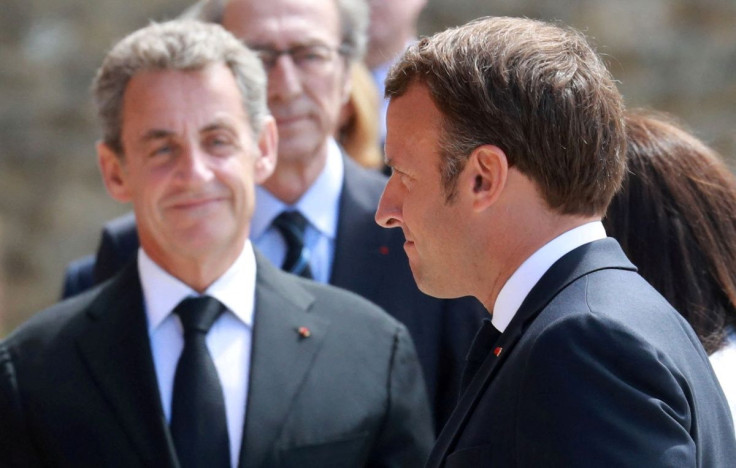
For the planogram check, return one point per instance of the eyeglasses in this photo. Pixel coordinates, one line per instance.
(315, 58)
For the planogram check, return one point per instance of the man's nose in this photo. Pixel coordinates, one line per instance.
(284, 80)
(389, 213)
(194, 164)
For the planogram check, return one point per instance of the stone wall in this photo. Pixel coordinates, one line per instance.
(673, 55)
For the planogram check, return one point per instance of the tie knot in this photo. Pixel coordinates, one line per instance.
(197, 314)
(291, 223)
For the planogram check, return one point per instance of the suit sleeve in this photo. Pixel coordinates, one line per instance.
(596, 391)
(15, 448)
(407, 436)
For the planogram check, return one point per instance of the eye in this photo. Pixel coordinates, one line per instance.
(220, 142)
(162, 149)
(313, 53)
(403, 177)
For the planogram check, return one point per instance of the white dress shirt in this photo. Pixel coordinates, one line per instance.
(320, 205)
(724, 365)
(228, 341)
(521, 282)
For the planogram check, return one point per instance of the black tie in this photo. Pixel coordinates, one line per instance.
(479, 350)
(198, 421)
(291, 225)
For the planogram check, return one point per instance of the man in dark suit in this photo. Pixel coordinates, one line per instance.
(200, 352)
(499, 189)
(335, 196)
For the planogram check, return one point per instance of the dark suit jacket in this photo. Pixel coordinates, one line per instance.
(370, 261)
(78, 387)
(596, 369)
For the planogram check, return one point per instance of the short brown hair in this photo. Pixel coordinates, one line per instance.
(536, 90)
(675, 217)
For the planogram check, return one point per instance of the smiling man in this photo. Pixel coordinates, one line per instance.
(307, 47)
(506, 142)
(200, 353)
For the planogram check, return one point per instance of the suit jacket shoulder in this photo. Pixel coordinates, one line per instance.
(596, 365)
(117, 247)
(334, 380)
(79, 383)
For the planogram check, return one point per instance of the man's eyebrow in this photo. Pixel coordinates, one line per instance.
(295, 45)
(155, 134)
(216, 125)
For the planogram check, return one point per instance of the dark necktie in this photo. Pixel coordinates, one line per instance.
(479, 351)
(291, 225)
(198, 421)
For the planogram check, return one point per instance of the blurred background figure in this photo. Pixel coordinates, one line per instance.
(358, 132)
(675, 218)
(392, 28)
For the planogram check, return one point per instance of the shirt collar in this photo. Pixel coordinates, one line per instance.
(235, 288)
(319, 204)
(522, 281)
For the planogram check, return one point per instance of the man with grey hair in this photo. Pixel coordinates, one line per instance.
(200, 353)
(318, 192)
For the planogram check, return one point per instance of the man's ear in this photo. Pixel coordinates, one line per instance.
(267, 156)
(489, 168)
(113, 172)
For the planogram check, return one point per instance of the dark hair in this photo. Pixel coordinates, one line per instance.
(675, 218)
(537, 91)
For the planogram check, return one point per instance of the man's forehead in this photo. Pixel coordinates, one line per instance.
(283, 22)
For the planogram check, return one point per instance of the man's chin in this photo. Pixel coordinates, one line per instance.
(434, 286)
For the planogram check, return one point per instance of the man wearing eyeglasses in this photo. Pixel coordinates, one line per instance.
(329, 202)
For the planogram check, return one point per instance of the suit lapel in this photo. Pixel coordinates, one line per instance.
(117, 352)
(281, 358)
(602, 254)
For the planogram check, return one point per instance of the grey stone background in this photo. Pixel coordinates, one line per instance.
(673, 55)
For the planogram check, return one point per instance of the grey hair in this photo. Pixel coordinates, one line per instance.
(176, 45)
(354, 18)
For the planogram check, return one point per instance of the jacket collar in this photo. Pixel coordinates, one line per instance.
(586, 259)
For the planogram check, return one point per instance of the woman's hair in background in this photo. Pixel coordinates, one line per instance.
(358, 132)
(675, 217)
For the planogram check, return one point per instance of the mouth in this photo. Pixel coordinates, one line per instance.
(197, 203)
(289, 120)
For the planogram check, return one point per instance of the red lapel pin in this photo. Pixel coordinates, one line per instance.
(497, 351)
(304, 332)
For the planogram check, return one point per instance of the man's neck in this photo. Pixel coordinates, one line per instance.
(524, 246)
(295, 175)
(198, 272)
